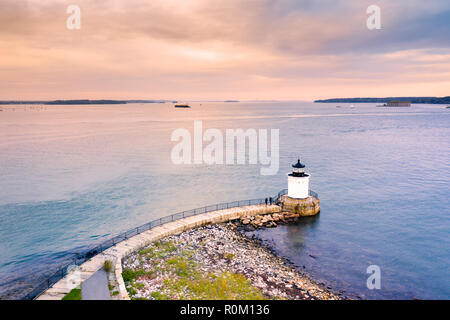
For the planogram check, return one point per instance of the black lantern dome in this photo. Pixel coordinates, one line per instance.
(299, 169)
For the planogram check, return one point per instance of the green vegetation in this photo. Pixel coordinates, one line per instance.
(128, 275)
(75, 294)
(184, 279)
(225, 286)
(130, 278)
(159, 296)
(182, 266)
(108, 266)
(147, 252)
(228, 256)
(131, 291)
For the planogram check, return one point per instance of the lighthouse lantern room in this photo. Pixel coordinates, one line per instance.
(298, 182)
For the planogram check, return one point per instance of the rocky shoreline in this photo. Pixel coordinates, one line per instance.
(219, 262)
(251, 223)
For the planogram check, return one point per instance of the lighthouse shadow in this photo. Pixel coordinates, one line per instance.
(284, 239)
(305, 223)
(297, 233)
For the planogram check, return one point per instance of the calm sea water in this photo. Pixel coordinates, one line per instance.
(72, 176)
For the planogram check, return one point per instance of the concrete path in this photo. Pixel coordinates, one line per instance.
(96, 287)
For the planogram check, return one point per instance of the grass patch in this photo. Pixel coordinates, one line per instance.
(228, 256)
(184, 278)
(139, 285)
(182, 266)
(74, 294)
(159, 296)
(131, 291)
(147, 252)
(128, 275)
(108, 266)
(225, 286)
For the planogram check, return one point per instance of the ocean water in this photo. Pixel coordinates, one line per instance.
(72, 176)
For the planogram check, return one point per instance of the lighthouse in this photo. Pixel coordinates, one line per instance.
(298, 182)
(299, 199)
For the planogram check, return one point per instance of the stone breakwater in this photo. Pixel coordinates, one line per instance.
(120, 251)
(251, 222)
(215, 262)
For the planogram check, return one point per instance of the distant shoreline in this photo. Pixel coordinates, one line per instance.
(424, 100)
(81, 102)
(89, 102)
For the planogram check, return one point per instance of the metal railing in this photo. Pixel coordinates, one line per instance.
(83, 257)
(285, 191)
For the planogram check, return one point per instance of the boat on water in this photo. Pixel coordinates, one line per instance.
(182, 106)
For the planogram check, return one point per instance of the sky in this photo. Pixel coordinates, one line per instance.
(233, 49)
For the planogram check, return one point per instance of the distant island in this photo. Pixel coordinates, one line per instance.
(427, 100)
(81, 102)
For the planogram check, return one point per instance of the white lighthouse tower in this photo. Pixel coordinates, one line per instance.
(298, 182)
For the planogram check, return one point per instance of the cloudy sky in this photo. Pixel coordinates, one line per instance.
(233, 49)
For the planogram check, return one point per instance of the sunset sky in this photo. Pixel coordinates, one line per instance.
(233, 49)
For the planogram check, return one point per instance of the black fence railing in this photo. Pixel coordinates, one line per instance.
(285, 191)
(80, 258)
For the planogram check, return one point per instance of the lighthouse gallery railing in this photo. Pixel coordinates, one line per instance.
(89, 253)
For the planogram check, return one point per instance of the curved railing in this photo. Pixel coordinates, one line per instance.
(81, 258)
(285, 191)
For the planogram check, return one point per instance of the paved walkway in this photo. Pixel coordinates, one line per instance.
(96, 287)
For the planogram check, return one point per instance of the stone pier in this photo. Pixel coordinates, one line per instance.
(116, 253)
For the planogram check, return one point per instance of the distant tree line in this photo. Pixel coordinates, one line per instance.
(427, 100)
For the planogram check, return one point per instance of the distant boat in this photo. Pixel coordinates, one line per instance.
(182, 106)
(448, 107)
(338, 106)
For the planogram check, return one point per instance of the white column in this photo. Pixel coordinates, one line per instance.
(298, 187)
